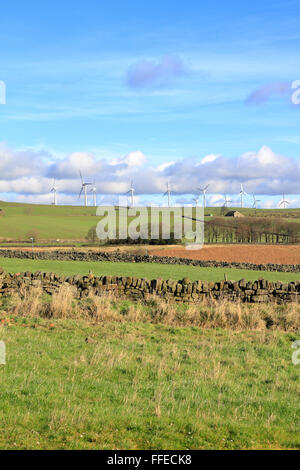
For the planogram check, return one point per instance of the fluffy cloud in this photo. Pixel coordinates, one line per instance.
(264, 93)
(209, 158)
(150, 74)
(21, 163)
(28, 176)
(131, 159)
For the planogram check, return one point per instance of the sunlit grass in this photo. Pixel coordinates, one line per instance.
(71, 385)
(147, 270)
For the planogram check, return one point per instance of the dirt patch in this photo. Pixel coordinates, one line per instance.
(257, 254)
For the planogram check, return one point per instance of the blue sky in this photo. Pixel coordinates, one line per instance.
(147, 90)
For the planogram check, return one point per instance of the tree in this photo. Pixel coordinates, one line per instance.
(91, 236)
(33, 234)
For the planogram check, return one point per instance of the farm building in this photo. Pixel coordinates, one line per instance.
(234, 214)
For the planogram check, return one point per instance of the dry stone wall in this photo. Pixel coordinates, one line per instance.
(136, 288)
(132, 258)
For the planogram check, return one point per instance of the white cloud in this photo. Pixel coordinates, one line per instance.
(131, 159)
(151, 74)
(163, 166)
(31, 172)
(209, 158)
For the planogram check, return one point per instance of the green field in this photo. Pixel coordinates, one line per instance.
(53, 223)
(49, 222)
(142, 270)
(145, 386)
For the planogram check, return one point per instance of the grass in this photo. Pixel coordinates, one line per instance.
(236, 316)
(49, 222)
(146, 386)
(73, 222)
(143, 270)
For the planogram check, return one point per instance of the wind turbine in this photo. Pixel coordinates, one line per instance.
(168, 192)
(131, 192)
(242, 193)
(196, 199)
(94, 191)
(255, 201)
(284, 202)
(226, 201)
(54, 190)
(84, 189)
(203, 191)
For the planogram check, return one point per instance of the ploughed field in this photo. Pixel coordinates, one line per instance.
(257, 254)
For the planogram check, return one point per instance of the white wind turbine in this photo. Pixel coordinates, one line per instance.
(168, 193)
(94, 192)
(284, 202)
(226, 201)
(203, 191)
(242, 193)
(84, 189)
(131, 192)
(54, 190)
(196, 200)
(255, 201)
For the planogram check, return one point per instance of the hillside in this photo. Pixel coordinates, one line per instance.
(50, 223)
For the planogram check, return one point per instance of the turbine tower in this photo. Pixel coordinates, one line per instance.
(196, 200)
(84, 189)
(54, 190)
(131, 192)
(255, 201)
(284, 202)
(168, 192)
(203, 191)
(226, 201)
(94, 192)
(242, 193)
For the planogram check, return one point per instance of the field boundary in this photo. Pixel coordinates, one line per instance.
(73, 255)
(184, 290)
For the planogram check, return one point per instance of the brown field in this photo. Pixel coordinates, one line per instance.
(257, 254)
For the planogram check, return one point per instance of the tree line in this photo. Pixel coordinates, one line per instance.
(251, 230)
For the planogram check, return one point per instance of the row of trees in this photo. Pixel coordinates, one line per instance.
(93, 238)
(251, 230)
(224, 230)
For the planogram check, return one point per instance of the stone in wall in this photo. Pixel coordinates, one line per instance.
(259, 291)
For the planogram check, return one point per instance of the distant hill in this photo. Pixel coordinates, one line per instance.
(18, 220)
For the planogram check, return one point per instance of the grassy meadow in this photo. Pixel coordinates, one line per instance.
(73, 384)
(50, 223)
(107, 373)
(142, 270)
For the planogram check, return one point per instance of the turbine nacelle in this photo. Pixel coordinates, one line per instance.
(84, 186)
(131, 192)
(168, 193)
(284, 202)
(226, 201)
